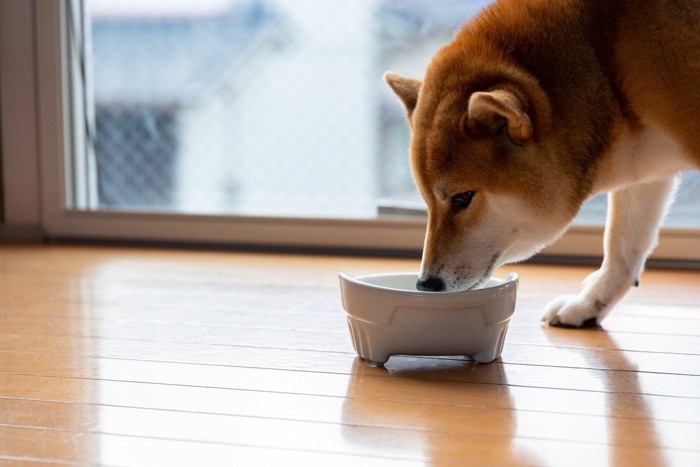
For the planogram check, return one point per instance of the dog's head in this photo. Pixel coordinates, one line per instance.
(485, 166)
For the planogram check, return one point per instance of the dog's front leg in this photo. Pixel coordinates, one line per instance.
(635, 214)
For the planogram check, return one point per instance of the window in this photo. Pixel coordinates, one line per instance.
(255, 107)
(250, 121)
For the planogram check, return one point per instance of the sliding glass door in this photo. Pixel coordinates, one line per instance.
(249, 122)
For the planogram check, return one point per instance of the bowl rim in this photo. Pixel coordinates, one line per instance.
(507, 282)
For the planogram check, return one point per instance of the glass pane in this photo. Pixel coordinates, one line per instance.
(266, 107)
(684, 213)
(257, 107)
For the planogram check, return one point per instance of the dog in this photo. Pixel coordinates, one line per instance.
(534, 107)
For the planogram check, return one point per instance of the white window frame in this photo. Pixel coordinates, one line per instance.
(57, 138)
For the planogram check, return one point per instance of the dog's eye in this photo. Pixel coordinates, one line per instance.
(461, 201)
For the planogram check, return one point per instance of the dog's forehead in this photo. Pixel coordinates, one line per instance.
(443, 106)
(437, 121)
(434, 153)
(439, 142)
(444, 157)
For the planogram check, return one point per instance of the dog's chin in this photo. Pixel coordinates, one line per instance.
(461, 285)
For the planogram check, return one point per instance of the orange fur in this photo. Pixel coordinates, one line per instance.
(540, 104)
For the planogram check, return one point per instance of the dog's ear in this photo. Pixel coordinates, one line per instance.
(492, 111)
(406, 88)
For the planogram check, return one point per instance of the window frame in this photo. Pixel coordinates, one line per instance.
(58, 138)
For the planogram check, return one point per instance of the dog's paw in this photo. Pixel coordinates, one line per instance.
(574, 311)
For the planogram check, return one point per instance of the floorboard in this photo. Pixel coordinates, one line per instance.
(123, 356)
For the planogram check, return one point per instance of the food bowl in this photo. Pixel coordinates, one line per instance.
(388, 316)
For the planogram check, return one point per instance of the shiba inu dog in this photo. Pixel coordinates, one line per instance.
(536, 106)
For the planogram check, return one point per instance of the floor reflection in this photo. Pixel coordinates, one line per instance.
(623, 396)
(440, 410)
(593, 404)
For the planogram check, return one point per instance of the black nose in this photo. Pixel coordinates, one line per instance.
(430, 284)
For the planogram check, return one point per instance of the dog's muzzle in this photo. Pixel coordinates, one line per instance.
(430, 284)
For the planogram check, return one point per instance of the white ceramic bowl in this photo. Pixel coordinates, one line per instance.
(388, 316)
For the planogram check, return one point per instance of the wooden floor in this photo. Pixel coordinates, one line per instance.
(121, 356)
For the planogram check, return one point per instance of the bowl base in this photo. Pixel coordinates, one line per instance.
(372, 363)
